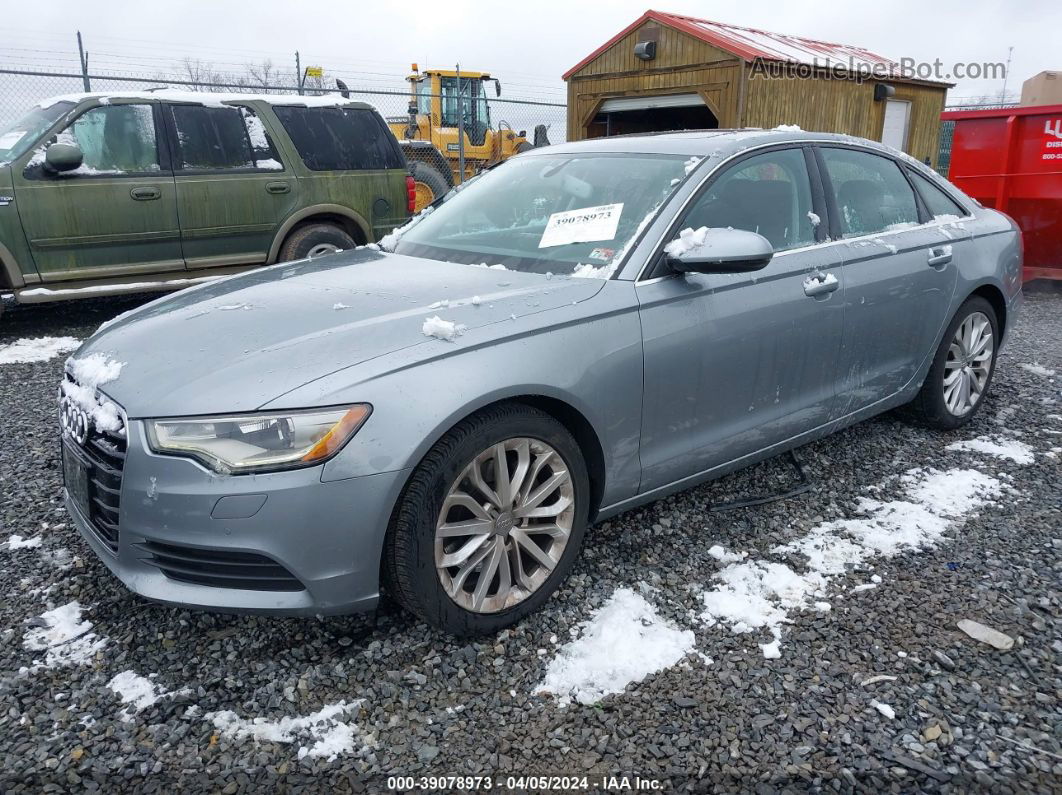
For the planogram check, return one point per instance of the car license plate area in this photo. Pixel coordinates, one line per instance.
(76, 478)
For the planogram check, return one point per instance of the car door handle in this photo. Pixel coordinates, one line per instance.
(939, 256)
(820, 284)
(278, 187)
(145, 194)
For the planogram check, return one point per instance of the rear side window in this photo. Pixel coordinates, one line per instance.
(222, 138)
(340, 139)
(938, 202)
(871, 192)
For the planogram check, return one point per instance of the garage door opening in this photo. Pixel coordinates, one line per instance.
(674, 112)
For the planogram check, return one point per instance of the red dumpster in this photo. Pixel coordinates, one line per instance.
(1011, 159)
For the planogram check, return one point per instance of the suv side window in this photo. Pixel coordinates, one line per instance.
(937, 201)
(769, 194)
(340, 139)
(871, 193)
(221, 138)
(114, 139)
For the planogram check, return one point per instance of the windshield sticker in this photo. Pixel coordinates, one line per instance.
(582, 226)
(604, 254)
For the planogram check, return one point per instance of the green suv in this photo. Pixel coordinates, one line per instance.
(112, 193)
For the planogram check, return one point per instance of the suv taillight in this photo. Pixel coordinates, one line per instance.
(411, 194)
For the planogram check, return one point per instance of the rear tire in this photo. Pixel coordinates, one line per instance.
(429, 184)
(931, 406)
(314, 240)
(417, 545)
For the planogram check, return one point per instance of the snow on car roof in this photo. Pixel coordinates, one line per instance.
(209, 99)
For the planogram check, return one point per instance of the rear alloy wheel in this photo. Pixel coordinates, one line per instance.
(490, 522)
(962, 369)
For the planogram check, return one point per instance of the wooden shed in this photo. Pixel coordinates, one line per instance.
(672, 72)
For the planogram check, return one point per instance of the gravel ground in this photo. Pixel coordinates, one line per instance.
(415, 703)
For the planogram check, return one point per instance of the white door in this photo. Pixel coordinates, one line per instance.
(897, 122)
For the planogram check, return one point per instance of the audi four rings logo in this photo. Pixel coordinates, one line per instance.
(75, 420)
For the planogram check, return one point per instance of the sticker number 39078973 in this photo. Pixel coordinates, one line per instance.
(582, 226)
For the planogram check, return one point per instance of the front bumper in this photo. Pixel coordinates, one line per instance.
(328, 535)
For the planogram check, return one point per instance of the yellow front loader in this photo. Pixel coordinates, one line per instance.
(442, 103)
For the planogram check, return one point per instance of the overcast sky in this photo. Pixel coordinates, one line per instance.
(528, 45)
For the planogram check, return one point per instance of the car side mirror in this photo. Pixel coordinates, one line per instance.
(63, 157)
(718, 250)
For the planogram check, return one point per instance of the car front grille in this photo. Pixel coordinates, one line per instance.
(219, 568)
(102, 453)
(106, 452)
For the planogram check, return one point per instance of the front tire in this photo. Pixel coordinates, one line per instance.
(490, 522)
(958, 380)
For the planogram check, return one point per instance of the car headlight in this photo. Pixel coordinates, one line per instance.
(233, 445)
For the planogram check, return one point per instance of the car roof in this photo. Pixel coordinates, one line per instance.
(706, 143)
(210, 99)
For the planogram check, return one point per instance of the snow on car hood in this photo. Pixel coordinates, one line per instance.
(238, 343)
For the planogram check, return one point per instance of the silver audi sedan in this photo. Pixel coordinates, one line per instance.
(581, 330)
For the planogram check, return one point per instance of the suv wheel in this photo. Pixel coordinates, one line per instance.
(490, 522)
(315, 240)
(962, 369)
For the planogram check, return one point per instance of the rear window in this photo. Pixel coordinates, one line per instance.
(222, 138)
(340, 139)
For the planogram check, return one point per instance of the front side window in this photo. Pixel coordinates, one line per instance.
(340, 138)
(564, 214)
(769, 194)
(939, 203)
(113, 139)
(871, 192)
(221, 138)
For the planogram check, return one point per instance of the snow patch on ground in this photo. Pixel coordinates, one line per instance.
(441, 329)
(760, 595)
(137, 691)
(18, 542)
(1038, 369)
(67, 639)
(719, 553)
(36, 349)
(1018, 452)
(623, 642)
(324, 732)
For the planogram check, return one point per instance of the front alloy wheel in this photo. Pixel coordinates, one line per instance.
(490, 522)
(504, 525)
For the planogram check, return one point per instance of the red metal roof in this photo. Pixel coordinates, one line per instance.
(751, 44)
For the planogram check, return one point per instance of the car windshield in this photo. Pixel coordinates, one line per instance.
(565, 214)
(19, 136)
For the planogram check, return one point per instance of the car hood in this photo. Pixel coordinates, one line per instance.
(238, 343)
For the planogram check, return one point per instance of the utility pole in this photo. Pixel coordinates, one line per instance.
(83, 57)
(298, 72)
(460, 128)
(1006, 74)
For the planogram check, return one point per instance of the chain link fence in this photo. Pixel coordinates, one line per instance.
(20, 90)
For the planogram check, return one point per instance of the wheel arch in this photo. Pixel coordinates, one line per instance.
(991, 293)
(11, 277)
(350, 221)
(559, 408)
